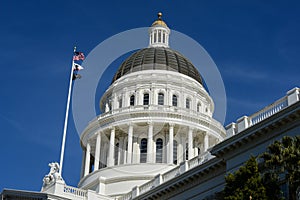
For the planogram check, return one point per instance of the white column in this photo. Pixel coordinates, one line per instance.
(167, 97)
(87, 159)
(136, 151)
(82, 164)
(105, 153)
(114, 102)
(150, 143)
(184, 148)
(196, 151)
(140, 97)
(180, 150)
(111, 152)
(205, 142)
(106, 107)
(124, 154)
(129, 147)
(120, 151)
(190, 141)
(171, 144)
(97, 152)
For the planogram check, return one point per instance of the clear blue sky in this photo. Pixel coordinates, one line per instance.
(255, 44)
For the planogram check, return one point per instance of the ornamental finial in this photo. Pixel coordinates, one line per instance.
(159, 15)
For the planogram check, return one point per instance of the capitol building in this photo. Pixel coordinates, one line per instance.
(156, 137)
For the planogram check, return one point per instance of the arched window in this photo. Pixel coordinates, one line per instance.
(198, 107)
(143, 151)
(188, 103)
(159, 148)
(146, 99)
(174, 100)
(175, 152)
(132, 99)
(160, 98)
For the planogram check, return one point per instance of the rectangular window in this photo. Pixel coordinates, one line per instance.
(174, 100)
(143, 151)
(187, 103)
(160, 99)
(146, 99)
(132, 100)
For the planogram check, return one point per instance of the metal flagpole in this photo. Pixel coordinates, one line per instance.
(66, 118)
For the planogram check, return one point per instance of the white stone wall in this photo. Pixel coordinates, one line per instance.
(114, 139)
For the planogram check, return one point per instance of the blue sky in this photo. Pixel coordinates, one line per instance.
(255, 44)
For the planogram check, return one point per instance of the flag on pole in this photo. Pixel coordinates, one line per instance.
(77, 67)
(76, 76)
(78, 56)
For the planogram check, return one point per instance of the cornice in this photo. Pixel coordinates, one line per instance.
(286, 116)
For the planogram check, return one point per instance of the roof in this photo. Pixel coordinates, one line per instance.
(159, 21)
(157, 58)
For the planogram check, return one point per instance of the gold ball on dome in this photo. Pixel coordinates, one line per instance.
(159, 15)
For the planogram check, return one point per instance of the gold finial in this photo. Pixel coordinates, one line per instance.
(159, 15)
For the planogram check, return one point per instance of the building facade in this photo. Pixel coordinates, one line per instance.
(156, 114)
(156, 137)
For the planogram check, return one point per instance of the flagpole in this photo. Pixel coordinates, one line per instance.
(66, 119)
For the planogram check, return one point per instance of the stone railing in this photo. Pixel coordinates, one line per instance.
(126, 196)
(147, 186)
(161, 108)
(245, 122)
(268, 111)
(162, 178)
(75, 191)
(193, 162)
(167, 112)
(171, 174)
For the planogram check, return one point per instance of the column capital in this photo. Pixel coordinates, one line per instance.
(88, 145)
(171, 124)
(111, 128)
(130, 124)
(150, 123)
(191, 129)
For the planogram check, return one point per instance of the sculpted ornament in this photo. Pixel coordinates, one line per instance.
(53, 175)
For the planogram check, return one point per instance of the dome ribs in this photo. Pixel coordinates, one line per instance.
(158, 58)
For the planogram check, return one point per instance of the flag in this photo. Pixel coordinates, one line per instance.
(78, 56)
(77, 67)
(76, 76)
